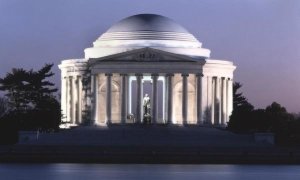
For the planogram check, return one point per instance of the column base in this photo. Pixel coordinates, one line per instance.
(200, 123)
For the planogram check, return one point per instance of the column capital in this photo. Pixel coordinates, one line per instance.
(76, 79)
(170, 75)
(199, 75)
(123, 74)
(154, 74)
(138, 74)
(184, 75)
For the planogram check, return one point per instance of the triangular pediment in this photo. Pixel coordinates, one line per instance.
(145, 55)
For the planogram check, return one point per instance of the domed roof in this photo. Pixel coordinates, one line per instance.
(156, 29)
(146, 30)
(147, 22)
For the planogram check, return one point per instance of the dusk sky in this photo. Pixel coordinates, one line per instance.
(261, 37)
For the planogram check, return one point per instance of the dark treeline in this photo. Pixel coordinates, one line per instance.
(29, 103)
(274, 118)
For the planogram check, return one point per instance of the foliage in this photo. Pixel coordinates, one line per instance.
(239, 100)
(240, 120)
(32, 99)
(274, 118)
(46, 117)
(25, 89)
(14, 84)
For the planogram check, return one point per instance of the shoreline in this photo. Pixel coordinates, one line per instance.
(147, 145)
(148, 155)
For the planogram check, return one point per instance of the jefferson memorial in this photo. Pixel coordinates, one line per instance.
(146, 68)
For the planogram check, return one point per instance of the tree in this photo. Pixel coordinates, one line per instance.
(32, 97)
(38, 87)
(14, 84)
(280, 121)
(274, 118)
(240, 119)
(239, 100)
(49, 114)
(25, 89)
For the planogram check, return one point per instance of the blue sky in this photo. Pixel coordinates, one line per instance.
(262, 37)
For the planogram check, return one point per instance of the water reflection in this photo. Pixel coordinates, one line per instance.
(147, 172)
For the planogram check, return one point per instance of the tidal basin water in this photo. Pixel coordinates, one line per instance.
(147, 172)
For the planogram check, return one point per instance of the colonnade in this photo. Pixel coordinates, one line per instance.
(213, 99)
(219, 100)
(72, 99)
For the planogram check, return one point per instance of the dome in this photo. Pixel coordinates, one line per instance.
(147, 22)
(146, 30)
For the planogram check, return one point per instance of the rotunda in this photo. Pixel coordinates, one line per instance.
(146, 57)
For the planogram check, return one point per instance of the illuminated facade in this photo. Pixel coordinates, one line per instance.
(146, 54)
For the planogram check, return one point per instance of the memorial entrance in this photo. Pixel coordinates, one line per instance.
(147, 101)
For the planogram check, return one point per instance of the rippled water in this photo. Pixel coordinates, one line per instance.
(147, 172)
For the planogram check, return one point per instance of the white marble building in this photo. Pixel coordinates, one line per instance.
(146, 54)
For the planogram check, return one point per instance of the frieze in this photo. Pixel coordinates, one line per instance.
(147, 56)
(76, 69)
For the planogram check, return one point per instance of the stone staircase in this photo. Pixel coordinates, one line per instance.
(145, 135)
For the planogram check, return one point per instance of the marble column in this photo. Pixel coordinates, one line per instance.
(199, 98)
(75, 95)
(124, 98)
(217, 102)
(67, 99)
(154, 104)
(79, 100)
(165, 99)
(64, 99)
(139, 92)
(224, 102)
(210, 108)
(129, 95)
(230, 98)
(75, 100)
(204, 107)
(71, 100)
(184, 98)
(170, 98)
(108, 98)
(95, 84)
(128, 99)
(213, 106)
